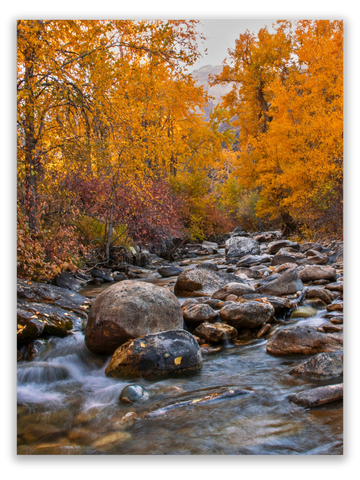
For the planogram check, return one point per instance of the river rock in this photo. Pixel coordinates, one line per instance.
(209, 265)
(284, 266)
(195, 314)
(318, 396)
(275, 246)
(215, 304)
(280, 304)
(250, 260)
(66, 280)
(128, 310)
(190, 301)
(247, 315)
(281, 259)
(335, 286)
(335, 307)
(210, 247)
(263, 330)
(57, 296)
(215, 332)
(331, 328)
(237, 231)
(238, 247)
(99, 274)
(134, 393)
(29, 326)
(288, 282)
(318, 293)
(304, 340)
(318, 259)
(169, 271)
(158, 354)
(316, 272)
(321, 366)
(199, 282)
(303, 312)
(237, 289)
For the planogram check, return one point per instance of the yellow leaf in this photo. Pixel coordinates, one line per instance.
(143, 345)
(34, 316)
(177, 360)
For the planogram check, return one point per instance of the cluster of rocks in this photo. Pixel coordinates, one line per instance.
(253, 292)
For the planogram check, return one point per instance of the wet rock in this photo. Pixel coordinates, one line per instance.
(335, 307)
(215, 332)
(196, 314)
(247, 315)
(318, 396)
(280, 304)
(263, 330)
(29, 327)
(275, 246)
(330, 328)
(209, 349)
(158, 354)
(337, 320)
(66, 280)
(134, 394)
(238, 247)
(233, 288)
(35, 348)
(288, 282)
(303, 312)
(190, 301)
(57, 296)
(214, 303)
(302, 339)
(335, 286)
(169, 271)
(199, 282)
(315, 272)
(321, 366)
(120, 277)
(128, 310)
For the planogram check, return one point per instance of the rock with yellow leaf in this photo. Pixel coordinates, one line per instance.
(156, 355)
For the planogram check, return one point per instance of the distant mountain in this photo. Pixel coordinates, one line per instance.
(216, 91)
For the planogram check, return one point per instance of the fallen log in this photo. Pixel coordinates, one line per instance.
(213, 397)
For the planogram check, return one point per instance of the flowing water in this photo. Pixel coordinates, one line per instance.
(66, 405)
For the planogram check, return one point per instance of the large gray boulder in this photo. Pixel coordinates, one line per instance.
(159, 354)
(238, 247)
(288, 282)
(317, 272)
(304, 340)
(128, 310)
(202, 282)
(247, 315)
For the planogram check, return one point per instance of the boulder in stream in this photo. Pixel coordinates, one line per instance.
(233, 288)
(318, 396)
(302, 339)
(128, 310)
(215, 332)
(288, 282)
(247, 315)
(199, 282)
(321, 366)
(156, 355)
(196, 314)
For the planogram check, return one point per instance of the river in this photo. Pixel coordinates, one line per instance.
(66, 404)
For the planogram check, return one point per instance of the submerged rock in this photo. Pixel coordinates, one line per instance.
(134, 393)
(303, 312)
(158, 354)
(128, 310)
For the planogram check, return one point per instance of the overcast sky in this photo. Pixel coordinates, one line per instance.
(221, 35)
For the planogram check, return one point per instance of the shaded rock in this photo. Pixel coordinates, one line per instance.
(215, 332)
(318, 259)
(268, 279)
(169, 271)
(302, 339)
(158, 354)
(315, 272)
(237, 289)
(281, 259)
(195, 314)
(199, 282)
(66, 280)
(335, 307)
(209, 349)
(190, 301)
(321, 366)
(29, 327)
(237, 231)
(214, 303)
(19, 356)
(275, 246)
(134, 393)
(247, 315)
(237, 247)
(288, 282)
(120, 277)
(318, 396)
(128, 310)
(99, 274)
